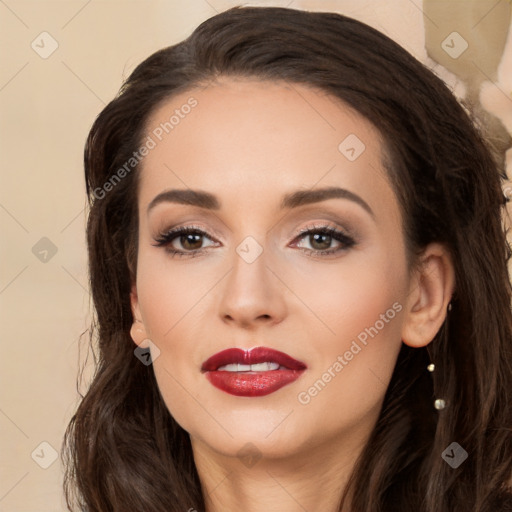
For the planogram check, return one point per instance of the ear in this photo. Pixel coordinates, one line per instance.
(138, 330)
(430, 292)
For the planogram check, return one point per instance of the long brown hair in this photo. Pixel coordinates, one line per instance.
(125, 452)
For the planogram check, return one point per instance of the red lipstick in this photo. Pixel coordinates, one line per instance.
(223, 372)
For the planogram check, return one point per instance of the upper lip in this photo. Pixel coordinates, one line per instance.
(253, 356)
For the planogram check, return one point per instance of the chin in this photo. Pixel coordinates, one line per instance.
(268, 439)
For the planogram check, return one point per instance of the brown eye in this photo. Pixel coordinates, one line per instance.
(191, 241)
(320, 241)
(184, 241)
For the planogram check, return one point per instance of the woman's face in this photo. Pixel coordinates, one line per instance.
(258, 271)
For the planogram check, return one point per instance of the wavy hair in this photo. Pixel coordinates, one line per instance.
(124, 451)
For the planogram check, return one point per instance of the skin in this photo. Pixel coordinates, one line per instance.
(249, 143)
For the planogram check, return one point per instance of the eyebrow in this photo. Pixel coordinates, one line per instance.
(292, 200)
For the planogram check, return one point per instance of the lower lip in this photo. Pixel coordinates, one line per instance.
(252, 383)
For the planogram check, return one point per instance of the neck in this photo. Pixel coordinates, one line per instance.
(253, 482)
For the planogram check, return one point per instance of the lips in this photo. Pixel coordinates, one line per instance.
(251, 381)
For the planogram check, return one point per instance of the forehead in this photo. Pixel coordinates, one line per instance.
(260, 138)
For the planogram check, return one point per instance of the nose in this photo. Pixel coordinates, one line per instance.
(252, 294)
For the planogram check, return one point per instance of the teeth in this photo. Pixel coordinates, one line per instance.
(260, 367)
(264, 367)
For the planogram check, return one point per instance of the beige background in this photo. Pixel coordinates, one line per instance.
(47, 107)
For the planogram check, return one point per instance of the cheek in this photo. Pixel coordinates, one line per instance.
(354, 331)
(176, 302)
(356, 294)
(169, 292)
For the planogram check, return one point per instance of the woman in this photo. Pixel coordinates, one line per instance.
(300, 279)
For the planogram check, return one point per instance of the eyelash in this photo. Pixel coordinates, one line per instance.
(166, 239)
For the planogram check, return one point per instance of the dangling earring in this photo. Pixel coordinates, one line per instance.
(439, 403)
